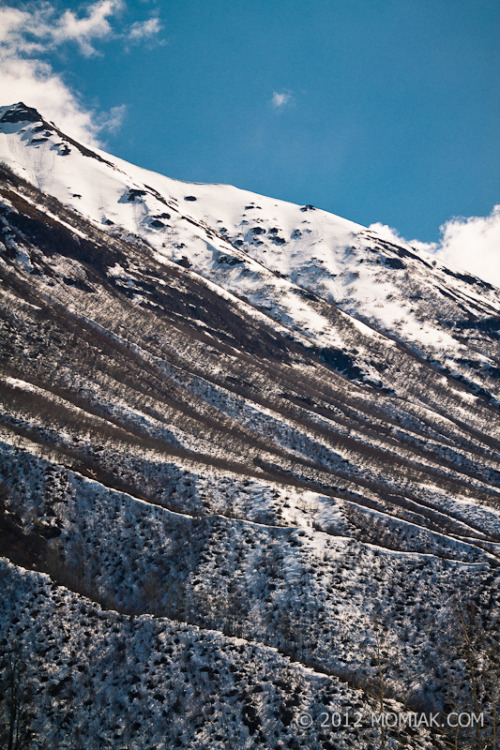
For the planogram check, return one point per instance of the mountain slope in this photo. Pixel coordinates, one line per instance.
(217, 432)
(291, 262)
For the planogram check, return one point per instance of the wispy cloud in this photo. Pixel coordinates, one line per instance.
(142, 30)
(281, 99)
(471, 244)
(83, 31)
(112, 121)
(40, 29)
(30, 33)
(35, 83)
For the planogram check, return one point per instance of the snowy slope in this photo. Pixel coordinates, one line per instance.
(298, 264)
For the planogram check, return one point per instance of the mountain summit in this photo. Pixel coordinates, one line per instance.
(19, 113)
(249, 467)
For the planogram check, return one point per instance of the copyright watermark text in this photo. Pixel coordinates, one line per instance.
(389, 719)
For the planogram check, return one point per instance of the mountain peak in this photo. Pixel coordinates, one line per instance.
(19, 113)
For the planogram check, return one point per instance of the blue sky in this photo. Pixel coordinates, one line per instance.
(377, 110)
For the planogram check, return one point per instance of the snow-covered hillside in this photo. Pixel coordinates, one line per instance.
(249, 467)
(291, 262)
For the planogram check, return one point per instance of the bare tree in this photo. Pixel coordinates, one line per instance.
(380, 684)
(472, 676)
(15, 734)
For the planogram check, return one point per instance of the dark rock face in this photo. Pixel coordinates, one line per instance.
(20, 113)
(134, 193)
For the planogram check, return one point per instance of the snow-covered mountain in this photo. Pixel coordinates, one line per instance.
(291, 262)
(250, 452)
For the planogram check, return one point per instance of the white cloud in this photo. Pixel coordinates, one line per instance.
(281, 99)
(38, 29)
(94, 25)
(35, 83)
(141, 30)
(112, 120)
(471, 244)
(11, 21)
(386, 233)
(392, 235)
(27, 35)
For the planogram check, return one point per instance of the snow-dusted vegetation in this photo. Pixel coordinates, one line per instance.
(249, 468)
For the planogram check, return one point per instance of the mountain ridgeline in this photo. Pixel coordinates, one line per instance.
(249, 468)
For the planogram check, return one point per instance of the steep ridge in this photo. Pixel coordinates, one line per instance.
(224, 427)
(290, 261)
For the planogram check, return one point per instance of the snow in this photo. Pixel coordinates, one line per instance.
(281, 246)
